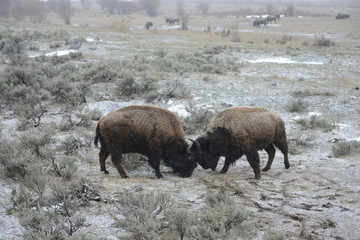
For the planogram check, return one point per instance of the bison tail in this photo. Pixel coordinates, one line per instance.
(97, 136)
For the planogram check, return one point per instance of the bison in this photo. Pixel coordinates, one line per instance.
(270, 19)
(259, 22)
(172, 20)
(241, 131)
(148, 25)
(342, 16)
(152, 131)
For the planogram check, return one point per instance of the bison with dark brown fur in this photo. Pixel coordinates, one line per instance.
(259, 22)
(148, 25)
(152, 131)
(241, 131)
(342, 16)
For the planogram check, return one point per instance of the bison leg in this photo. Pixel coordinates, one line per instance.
(227, 163)
(254, 161)
(116, 160)
(271, 154)
(282, 145)
(154, 162)
(103, 154)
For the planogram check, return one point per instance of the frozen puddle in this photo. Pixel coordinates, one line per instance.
(281, 60)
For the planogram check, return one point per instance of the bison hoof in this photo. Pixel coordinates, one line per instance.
(106, 171)
(287, 165)
(125, 176)
(265, 169)
(257, 177)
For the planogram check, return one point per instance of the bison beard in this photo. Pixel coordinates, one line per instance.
(154, 132)
(241, 131)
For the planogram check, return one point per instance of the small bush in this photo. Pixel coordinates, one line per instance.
(175, 89)
(311, 93)
(140, 214)
(106, 72)
(126, 85)
(181, 221)
(296, 144)
(281, 41)
(323, 42)
(14, 160)
(38, 139)
(161, 53)
(220, 219)
(42, 224)
(297, 105)
(315, 121)
(54, 45)
(67, 92)
(12, 46)
(344, 148)
(154, 216)
(214, 49)
(273, 235)
(129, 86)
(55, 60)
(197, 121)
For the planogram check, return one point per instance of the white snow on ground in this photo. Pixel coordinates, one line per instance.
(60, 53)
(57, 53)
(180, 110)
(90, 40)
(282, 60)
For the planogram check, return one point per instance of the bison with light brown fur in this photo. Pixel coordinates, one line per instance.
(152, 131)
(241, 131)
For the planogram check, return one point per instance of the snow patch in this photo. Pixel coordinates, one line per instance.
(60, 53)
(91, 40)
(57, 53)
(282, 60)
(308, 117)
(180, 110)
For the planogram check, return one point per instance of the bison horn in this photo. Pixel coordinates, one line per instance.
(196, 143)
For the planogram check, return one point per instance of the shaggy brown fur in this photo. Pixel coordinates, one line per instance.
(241, 131)
(152, 131)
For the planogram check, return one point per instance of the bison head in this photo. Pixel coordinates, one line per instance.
(182, 164)
(200, 152)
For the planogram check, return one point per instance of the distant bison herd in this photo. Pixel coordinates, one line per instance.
(168, 20)
(158, 134)
(273, 18)
(257, 23)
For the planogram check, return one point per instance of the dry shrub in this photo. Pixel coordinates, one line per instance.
(311, 93)
(315, 121)
(344, 148)
(198, 120)
(323, 42)
(297, 105)
(120, 25)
